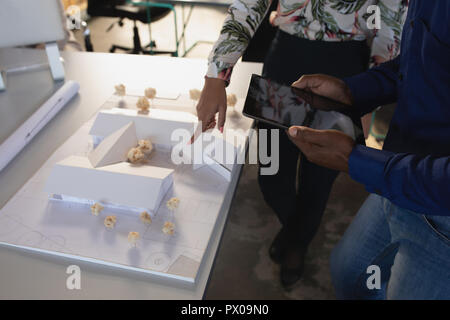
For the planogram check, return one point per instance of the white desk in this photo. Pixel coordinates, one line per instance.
(28, 275)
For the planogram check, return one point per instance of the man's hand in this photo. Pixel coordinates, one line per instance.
(327, 148)
(326, 86)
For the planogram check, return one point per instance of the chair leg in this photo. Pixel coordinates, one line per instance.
(151, 45)
(88, 44)
(115, 47)
(137, 48)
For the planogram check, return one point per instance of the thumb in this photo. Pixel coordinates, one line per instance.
(293, 131)
(307, 134)
(306, 81)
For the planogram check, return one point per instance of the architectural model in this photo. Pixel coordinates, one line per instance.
(103, 176)
(143, 105)
(168, 228)
(220, 152)
(110, 222)
(120, 90)
(146, 146)
(88, 202)
(133, 237)
(75, 178)
(150, 93)
(157, 126)
(145, 217)
(173, 203)
(96, 208)
(135, 155)
(114, 148)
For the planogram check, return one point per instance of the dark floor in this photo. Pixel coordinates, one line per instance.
(243, 269)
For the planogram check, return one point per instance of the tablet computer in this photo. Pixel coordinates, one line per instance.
(284, 106)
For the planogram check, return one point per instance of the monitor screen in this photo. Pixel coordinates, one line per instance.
(27, 22)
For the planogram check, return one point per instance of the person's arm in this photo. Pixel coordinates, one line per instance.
(375, 87)
(244, 17)
(386, 41)
(364, 92)
(239, 27)
(417, 183)
(378, 86)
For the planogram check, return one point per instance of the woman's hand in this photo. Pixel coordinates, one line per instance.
(326, 86)
(212, 100)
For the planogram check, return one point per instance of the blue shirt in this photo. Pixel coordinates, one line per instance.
(413, 169)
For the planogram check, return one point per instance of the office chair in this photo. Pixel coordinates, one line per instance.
(123, 10)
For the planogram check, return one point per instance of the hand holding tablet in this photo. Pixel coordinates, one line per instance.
(284, 106)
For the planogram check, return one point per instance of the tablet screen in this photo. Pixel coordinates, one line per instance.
(275, 103)
(284, 106)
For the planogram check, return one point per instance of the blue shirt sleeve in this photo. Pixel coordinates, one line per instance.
(417, 183)
(375, 87)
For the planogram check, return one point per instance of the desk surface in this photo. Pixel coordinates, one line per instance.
(29, 275)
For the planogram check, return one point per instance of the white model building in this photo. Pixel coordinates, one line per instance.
(220, 152)
(157, 125)
(122, 184)
(115, 147)
(105, 176)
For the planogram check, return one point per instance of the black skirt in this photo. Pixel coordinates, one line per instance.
(290, 57)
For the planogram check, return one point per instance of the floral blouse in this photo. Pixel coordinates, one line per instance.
(326, 20)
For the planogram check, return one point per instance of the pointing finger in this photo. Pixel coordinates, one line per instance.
(222, 116)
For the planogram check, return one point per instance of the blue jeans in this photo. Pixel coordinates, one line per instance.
(412, 252)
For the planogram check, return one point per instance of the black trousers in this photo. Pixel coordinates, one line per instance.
(298, 193)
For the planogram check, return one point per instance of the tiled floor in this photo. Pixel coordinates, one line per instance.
(243, 269)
